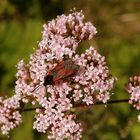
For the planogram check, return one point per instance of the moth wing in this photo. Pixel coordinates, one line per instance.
(57, 68)
(64, 73)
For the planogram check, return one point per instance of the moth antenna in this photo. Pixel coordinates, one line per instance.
(35, 88)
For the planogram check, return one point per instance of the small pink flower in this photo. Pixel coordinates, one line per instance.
(88, 99)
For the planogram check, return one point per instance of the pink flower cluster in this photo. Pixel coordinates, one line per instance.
(94, 82)
(91, 83)
(10, 117)
(134, 89)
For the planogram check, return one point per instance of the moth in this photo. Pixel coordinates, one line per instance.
(62, 72)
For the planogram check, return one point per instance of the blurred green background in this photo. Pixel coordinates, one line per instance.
(118, 39)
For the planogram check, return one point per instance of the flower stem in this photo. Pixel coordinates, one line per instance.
(85, 105)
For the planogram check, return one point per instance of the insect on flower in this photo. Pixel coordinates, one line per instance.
(63, 72)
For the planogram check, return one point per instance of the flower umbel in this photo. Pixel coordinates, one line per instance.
(10, 117)
(133, 88)
(92, 82)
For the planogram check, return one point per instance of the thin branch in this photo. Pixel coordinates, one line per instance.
(84, 105)
(114, 101)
